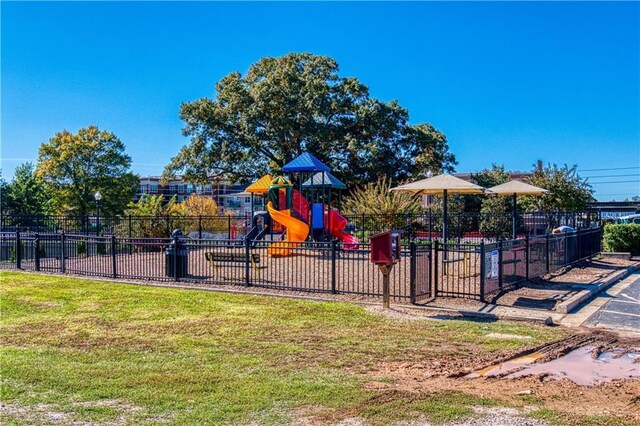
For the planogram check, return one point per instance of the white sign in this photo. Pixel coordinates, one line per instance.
(492, 264)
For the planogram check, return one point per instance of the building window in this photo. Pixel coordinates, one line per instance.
(247, 200)
(154, 189)
(180, 189)
(173, 189)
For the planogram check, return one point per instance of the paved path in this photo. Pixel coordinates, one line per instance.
(622, 310)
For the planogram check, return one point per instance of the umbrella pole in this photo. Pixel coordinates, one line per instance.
(444, 223)
(513, 217)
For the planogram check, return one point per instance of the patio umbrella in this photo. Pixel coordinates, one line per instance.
(442, 185)
(515, 188)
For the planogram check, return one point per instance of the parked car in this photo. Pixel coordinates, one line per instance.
(632, 218)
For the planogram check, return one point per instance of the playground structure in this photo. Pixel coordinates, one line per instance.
(289, 211)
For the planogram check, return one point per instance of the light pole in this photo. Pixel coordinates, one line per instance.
(97, 196)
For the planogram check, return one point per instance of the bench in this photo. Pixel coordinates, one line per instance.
(215, 259)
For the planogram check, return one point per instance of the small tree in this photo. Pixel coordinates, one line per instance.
(26, 193)
(155, 221)
(567, 190)
(198, 211)
(495, 210)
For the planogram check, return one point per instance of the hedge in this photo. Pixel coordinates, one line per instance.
(625, 238)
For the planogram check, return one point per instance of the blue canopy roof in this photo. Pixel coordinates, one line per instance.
(305, 163)
(329, 181)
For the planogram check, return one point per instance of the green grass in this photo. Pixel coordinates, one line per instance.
(99, 351)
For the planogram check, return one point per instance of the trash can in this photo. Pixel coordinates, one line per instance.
(176, 256)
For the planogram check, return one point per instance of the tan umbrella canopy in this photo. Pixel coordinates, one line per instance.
(441, 185)
(515, 188)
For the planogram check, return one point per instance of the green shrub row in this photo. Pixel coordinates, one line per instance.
(625, 238)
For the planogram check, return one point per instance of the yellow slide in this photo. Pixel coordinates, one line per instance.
(296, 231)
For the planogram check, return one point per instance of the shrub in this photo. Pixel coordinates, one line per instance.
(376, 199)
(625, 238)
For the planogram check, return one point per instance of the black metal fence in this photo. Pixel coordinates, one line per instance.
(462, 227)
(426, 269)
(313, 267)
(482, 271)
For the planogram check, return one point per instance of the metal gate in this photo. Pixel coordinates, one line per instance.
(421, 285)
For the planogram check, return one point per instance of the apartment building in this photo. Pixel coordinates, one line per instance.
(230, 197)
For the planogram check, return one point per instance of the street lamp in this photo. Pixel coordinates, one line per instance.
(97, 196)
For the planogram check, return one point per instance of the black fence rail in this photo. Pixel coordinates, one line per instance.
(426, 270)
(312, 267)
(463, 227)
(506, 264)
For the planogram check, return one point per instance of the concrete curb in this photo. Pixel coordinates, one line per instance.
(525, 317)
(582, 296)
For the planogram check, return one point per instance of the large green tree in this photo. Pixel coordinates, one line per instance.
(567, 190)
(75, 166)
(298, 102)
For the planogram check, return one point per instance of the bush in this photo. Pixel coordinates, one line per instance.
(625, 238)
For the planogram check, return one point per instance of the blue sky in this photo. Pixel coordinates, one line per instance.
(506, 82)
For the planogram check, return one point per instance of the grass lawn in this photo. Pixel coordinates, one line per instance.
(80, 350)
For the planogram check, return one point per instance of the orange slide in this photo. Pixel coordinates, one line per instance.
(296, 231)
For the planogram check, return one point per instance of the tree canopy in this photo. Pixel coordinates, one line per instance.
(75, 166)
(25, 194)
(298, 102)
(567, 190)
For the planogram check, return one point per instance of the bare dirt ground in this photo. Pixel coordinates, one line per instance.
(415, 381)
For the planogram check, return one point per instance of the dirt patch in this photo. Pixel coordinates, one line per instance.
(616, 398)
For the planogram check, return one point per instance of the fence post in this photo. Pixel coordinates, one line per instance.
(500, 277)
(578, 244)
(229, 227)
(363, 226)
(37, 252)
(334, 249)
(200, 227)
(247, 260)
(175, 259)
(412, 272)
(527, 256)
(546, 260)
(113, 256)
(436, 245)
(18, 250)
(130, 236)
(482, 270)
(63, 253)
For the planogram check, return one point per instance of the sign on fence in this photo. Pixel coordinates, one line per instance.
(492, 264)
